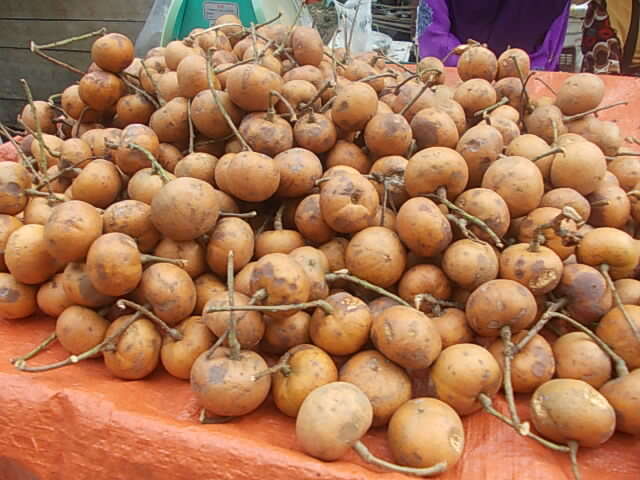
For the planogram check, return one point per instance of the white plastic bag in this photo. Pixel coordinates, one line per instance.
(151, 32)
(362, 28)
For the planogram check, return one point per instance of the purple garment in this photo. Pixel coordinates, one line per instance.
(537, 27)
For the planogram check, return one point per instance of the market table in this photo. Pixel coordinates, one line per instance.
(80, 423)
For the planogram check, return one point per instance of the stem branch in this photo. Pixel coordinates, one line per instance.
(369, 457)
(164, 328)
(604, 269)
(344, 275)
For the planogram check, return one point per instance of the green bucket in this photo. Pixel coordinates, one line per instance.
(185, 15)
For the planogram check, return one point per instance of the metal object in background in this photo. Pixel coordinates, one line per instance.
(571, 55)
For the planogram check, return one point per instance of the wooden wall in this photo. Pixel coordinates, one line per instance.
(45, 21)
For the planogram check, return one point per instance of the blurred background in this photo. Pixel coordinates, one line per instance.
(393, 25)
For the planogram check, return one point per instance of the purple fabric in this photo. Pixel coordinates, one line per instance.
(537, 27)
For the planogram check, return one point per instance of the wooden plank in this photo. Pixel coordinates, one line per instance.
(76, 9)
(19, 33)
(44, 77)
(9, 109)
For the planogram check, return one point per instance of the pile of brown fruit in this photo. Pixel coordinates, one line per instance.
(249, 192)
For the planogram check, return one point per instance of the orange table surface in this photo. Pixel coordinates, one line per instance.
(80, 423)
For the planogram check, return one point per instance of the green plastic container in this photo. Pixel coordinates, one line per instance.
(185, 15)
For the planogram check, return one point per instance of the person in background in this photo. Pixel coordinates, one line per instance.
(610, 37)
(537, 27)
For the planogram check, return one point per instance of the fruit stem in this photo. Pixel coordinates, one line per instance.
(251, 214)
(52, 99)
(178, 262)
(573, 455)
(600, 203)
(414, 99)
(285, 42)
(193, 36)
(553, 151)
(76, 126)
(370, 78)
(537, 238)
(505, 335)
(621, 366)
(539, 325)
(322, 180)
(554, 126)
(347, 46)
(460, 49)
(524, 96)
(487, 404)
(258, 296)
(292, 112)
(578, 116)
(217, 344)
(333, 59)
(403, 82)
(311, 118)
(264, 224)
(106, 344)
(441, 196)
(381, 55)
(328, 84)
(273, 308)
(432, 78)
(208, 420)
(567, 212)
(259, 55)
(394, 178)
(277, 219)
(164, 328)
(327, 105)
(463, 225)
(634, 193)
(45, 343)
(604, 269)
(42, 161)
(156, 167)
(344, 275)
(138, 90)
(37, 49)
(225, 114)
(281, 366)
(421, 297)
(153, 83)
(385, 200)
(254, 41)
(211, 141)
(490, 108)
(627, 154)
(369, 457)
(52, 197)
(23, 157)
(546, 85)
(191, 133)
(413, 147)
(234, 344)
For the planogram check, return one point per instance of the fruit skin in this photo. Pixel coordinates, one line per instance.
(435, 430)
(461, 373)
(112, 52)
(561, 407)
(224, 387)
(351, 415)
(623, 394)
